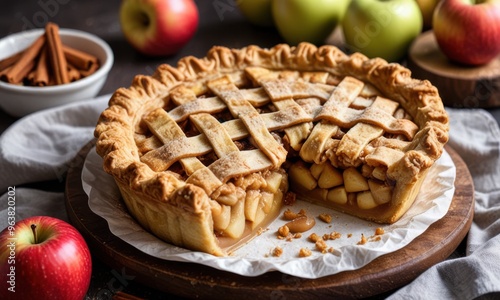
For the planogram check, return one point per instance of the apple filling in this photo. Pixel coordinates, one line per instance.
(346, 190)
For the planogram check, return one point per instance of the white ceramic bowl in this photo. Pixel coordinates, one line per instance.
(18, 100)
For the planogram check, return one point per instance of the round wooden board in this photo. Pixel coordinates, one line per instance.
(191, 280)
(459, 86)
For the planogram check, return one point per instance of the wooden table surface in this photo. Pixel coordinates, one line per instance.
(376, 279)
(220, 24)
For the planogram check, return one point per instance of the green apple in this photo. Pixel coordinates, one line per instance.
(307, 21)
(257, 12)
(382, 28)
(427, 8)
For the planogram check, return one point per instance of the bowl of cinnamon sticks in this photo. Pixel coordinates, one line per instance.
(51, 66)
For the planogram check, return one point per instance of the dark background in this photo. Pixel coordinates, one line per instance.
(220, 24)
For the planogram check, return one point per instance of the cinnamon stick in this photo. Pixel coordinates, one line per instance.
(79, 59)
(30, 78)
(73, 73)
(10, 60)
(57, 59)
(93, 68)
(41, 75)
(48, 62)
(25, 62)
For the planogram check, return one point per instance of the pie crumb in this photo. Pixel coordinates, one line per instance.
(289, 198)
(321, 245)
(325, 218)
(304, 252)
(260, 231)
(332, 236)
(277, 251)
(314, 237)
(363, 240)
(290, 215)
(283, 231)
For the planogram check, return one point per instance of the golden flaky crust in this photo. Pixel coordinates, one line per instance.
(152, 196)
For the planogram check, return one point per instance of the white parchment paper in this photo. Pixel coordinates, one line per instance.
(255, 258)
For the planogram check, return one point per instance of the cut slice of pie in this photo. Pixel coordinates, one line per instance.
(205, 154)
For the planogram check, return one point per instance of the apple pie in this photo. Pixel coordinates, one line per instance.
(206, 154)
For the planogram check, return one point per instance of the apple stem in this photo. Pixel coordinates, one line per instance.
(33, 229)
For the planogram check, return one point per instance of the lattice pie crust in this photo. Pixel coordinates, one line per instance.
(205, 153)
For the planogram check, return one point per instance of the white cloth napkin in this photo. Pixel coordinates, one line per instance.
(475, 135)
(40, 147)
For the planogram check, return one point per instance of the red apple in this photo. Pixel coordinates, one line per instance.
(158, 27)
(43, 258)
(467, 31)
